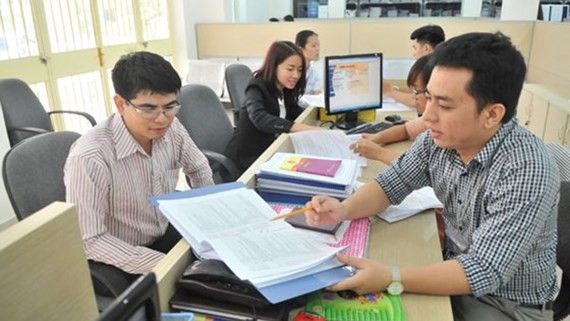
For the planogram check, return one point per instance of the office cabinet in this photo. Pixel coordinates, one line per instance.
(375, 9)
(402, 8)
(446, 8)
(532, 111)
(557, 129)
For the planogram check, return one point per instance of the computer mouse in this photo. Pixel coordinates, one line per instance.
(347, 294)
(393, 118)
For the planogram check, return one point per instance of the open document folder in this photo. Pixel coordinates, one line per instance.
(233, 223)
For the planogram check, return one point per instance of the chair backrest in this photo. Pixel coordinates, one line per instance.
(21, 108)
(203, 115)
(561, 155)
(33, 171)
(237, 78)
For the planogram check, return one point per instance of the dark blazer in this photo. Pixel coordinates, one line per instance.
(259, 124)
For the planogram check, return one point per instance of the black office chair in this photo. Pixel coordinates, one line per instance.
(562, 302)
(237, 78)
(24, 114)
(204, 117)
(33, 177)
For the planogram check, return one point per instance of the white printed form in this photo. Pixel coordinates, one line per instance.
(237, 224)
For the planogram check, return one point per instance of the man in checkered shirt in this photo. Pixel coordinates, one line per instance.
(497, 181)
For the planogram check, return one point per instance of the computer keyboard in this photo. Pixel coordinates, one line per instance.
(369, 128)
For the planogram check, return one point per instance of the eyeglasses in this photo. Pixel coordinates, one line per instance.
(417, 92)
(149, 112)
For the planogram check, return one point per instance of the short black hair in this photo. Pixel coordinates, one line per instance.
(303, 36)
(430, 34)
(422, 68)
(288, 18)
(498, 68)
(144, 71)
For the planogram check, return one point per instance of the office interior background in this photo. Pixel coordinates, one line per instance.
(66, 49)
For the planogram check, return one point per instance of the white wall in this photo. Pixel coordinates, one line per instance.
(471, 8)
(519, 10)
(199, 11)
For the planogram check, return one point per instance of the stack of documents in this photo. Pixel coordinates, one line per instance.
(233, 223)
(274, 179)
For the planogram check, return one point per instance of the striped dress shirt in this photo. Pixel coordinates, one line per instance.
(502, 205)
(110, 178)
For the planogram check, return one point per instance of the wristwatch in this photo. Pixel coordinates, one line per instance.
(396, 287)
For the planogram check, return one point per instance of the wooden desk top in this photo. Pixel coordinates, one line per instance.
(413, 241)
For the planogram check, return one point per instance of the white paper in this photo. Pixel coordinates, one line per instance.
(328, 143)
(418, 201)
(236, 226)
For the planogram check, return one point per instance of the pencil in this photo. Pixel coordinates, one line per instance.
(293, 213)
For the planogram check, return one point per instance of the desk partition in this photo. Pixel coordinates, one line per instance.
(413, 241)
(43, 270)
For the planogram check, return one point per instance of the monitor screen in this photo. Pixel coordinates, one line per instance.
(139, 302)
(352, 83)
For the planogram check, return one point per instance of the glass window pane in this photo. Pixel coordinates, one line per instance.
(17, 34)
(83, 92)
(154, 15)
(117, 22)
(70, 25)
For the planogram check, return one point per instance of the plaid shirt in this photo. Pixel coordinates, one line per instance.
(503, 204)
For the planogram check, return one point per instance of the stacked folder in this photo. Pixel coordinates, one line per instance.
(273, 178)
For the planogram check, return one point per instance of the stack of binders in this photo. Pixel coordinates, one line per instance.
(313, 175)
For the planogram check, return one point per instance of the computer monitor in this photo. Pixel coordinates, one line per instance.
(353, 83)
(139, 302)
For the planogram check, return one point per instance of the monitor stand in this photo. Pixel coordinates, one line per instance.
(350, 120)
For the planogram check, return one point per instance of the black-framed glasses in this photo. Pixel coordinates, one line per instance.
(418, 92)
(151, 112)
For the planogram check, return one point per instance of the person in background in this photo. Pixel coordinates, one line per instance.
(136, 153)
(424, 41)
(368, 147)
(497, 181)
(308, 41)
(282, 76)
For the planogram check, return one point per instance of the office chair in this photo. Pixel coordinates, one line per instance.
(561, 155)
(237, 78)
(33, 177)
(205, 119)
(23, 112)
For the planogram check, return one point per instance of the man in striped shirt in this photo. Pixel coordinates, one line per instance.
(136, 153)
(498, 183)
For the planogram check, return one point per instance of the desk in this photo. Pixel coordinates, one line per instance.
(413, 241)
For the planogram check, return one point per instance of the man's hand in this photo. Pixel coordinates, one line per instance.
(370, 276)
(326, 211)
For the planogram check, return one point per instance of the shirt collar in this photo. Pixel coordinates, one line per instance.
(125, 143)
(485, 155)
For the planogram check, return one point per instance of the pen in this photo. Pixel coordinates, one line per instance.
(293, 213)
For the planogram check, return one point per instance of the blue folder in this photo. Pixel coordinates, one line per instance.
(286, 290)
(301, 181)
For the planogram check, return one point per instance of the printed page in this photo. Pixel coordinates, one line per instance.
(208, 217)
(272, 253)
(237, 225)
(328, 143)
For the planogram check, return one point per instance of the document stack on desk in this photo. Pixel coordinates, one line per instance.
(274, 177)
(233, 223)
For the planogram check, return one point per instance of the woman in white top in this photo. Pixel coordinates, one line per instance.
(308, 41)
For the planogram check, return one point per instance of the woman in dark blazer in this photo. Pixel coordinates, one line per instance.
(282, 76)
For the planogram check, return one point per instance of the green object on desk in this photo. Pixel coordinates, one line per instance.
(375, 306)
